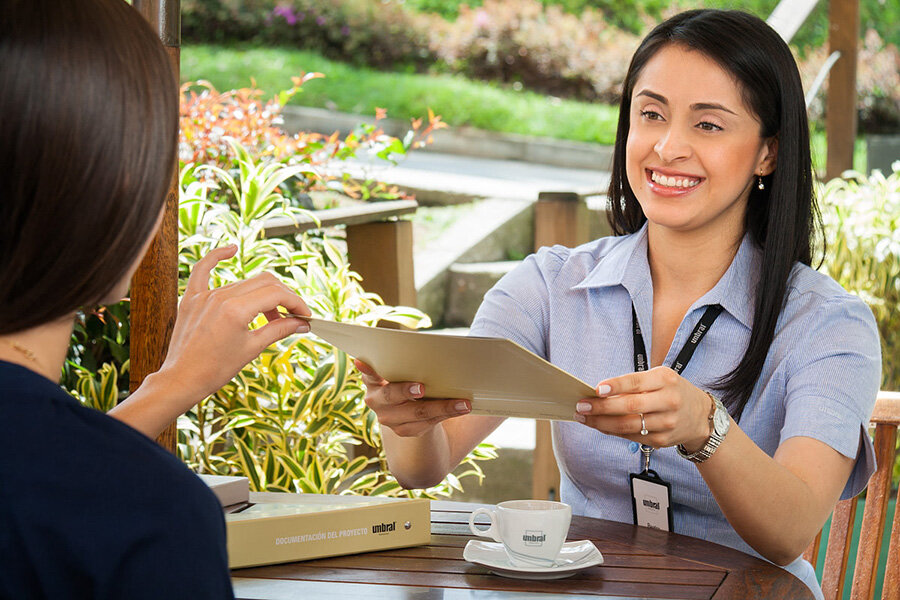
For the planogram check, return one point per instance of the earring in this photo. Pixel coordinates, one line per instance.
(759, 183)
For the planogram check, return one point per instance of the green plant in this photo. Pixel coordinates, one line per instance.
(99, 339)
(100, 389)
(209, 118)
(861, 215)
(290, 419)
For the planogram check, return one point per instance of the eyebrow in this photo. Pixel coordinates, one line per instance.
(695, 106)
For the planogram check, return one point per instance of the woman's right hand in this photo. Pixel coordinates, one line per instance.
(401, 408)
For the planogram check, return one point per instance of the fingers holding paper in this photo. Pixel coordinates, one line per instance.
(399, 405)
(656, 407)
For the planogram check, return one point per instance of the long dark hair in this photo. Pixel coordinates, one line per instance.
(88, 133)
(783, 218)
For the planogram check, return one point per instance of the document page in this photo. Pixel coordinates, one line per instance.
(500, 377)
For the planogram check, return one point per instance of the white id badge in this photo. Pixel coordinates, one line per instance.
(651, 498)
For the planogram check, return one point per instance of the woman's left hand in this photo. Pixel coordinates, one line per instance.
(674, 410)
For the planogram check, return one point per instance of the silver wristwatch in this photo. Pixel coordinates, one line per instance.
(720, 422)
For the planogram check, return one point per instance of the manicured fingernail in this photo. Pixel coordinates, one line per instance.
(583, 407)
(579, 418)
(303, 327)
(461, 407)
(603, 389)
(415, 389)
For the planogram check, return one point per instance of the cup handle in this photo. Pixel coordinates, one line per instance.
(491, 531)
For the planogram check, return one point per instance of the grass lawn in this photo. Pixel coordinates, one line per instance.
(457, 100)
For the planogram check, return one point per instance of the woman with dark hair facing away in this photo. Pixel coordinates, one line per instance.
(742, 375)
(90, 505)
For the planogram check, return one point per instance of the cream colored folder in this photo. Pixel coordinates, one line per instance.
(500, 377)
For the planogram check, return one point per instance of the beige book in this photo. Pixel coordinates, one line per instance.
(229, 489)
(278, 528)
(500, 377)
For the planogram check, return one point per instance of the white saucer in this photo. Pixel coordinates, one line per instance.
(573, 557)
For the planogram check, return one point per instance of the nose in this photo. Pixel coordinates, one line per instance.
(672, 145)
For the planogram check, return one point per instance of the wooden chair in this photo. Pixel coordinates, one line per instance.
(886, 418)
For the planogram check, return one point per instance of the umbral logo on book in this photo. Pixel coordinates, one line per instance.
(534, 538)
(384, 527)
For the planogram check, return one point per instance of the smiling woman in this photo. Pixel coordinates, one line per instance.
(750, 404)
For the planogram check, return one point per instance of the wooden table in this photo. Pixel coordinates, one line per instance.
(638, 563)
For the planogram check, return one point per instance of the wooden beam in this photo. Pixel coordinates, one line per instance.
(348, 215)
(154, 287)
(840, 104)
(382, 253)
(559, 218)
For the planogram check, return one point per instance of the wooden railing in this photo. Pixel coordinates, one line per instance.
(379, 245)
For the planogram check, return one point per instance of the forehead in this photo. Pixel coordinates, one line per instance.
(686, 76)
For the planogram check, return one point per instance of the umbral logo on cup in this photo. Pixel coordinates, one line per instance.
(384, 527)
(534, 538)
(651, 503)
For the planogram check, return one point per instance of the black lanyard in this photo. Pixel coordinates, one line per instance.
(640, 352)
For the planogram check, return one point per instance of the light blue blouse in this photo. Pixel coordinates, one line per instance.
(820, 379)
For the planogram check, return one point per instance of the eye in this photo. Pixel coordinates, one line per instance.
(651, 115)
(707, 126)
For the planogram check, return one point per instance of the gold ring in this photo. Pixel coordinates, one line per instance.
(643, 426)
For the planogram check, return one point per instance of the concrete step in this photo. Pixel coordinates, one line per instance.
(493, 230)
(466, 285)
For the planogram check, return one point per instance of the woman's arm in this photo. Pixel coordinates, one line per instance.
(211, 342)
(776, 504)
(424, 439)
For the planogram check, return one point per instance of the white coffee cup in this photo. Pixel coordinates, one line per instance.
(531, 531)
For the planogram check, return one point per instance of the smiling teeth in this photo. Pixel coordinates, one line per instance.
(682, 182)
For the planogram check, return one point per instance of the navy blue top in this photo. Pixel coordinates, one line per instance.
(91, 508)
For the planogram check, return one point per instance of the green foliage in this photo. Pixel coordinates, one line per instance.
(862, 226)
(542, 48)
(100, 337)
(575, 49)
(100, 389)
(288, 421)
(460, 102)
(630, 15)
(373, 32)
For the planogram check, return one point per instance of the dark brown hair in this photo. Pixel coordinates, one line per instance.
(88, 133)
(782, 219)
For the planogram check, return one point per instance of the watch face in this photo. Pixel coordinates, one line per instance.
(720, 420)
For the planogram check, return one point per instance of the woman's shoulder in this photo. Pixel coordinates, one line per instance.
(585, 258)
(101, 488)
(809, 289)
(68, 454)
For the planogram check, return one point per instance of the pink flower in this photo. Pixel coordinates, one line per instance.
(482, 18)
(286, 13)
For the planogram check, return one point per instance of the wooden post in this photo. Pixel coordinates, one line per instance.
(382, 253)
(154, 288)
(840, 104)
(559, 218)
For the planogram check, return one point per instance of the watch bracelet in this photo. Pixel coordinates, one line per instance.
(712, 443)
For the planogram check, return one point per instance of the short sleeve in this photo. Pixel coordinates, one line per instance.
(517, 307)
(834, 379)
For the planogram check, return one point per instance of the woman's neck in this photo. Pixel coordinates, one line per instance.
(41, 349)
(689, 264)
